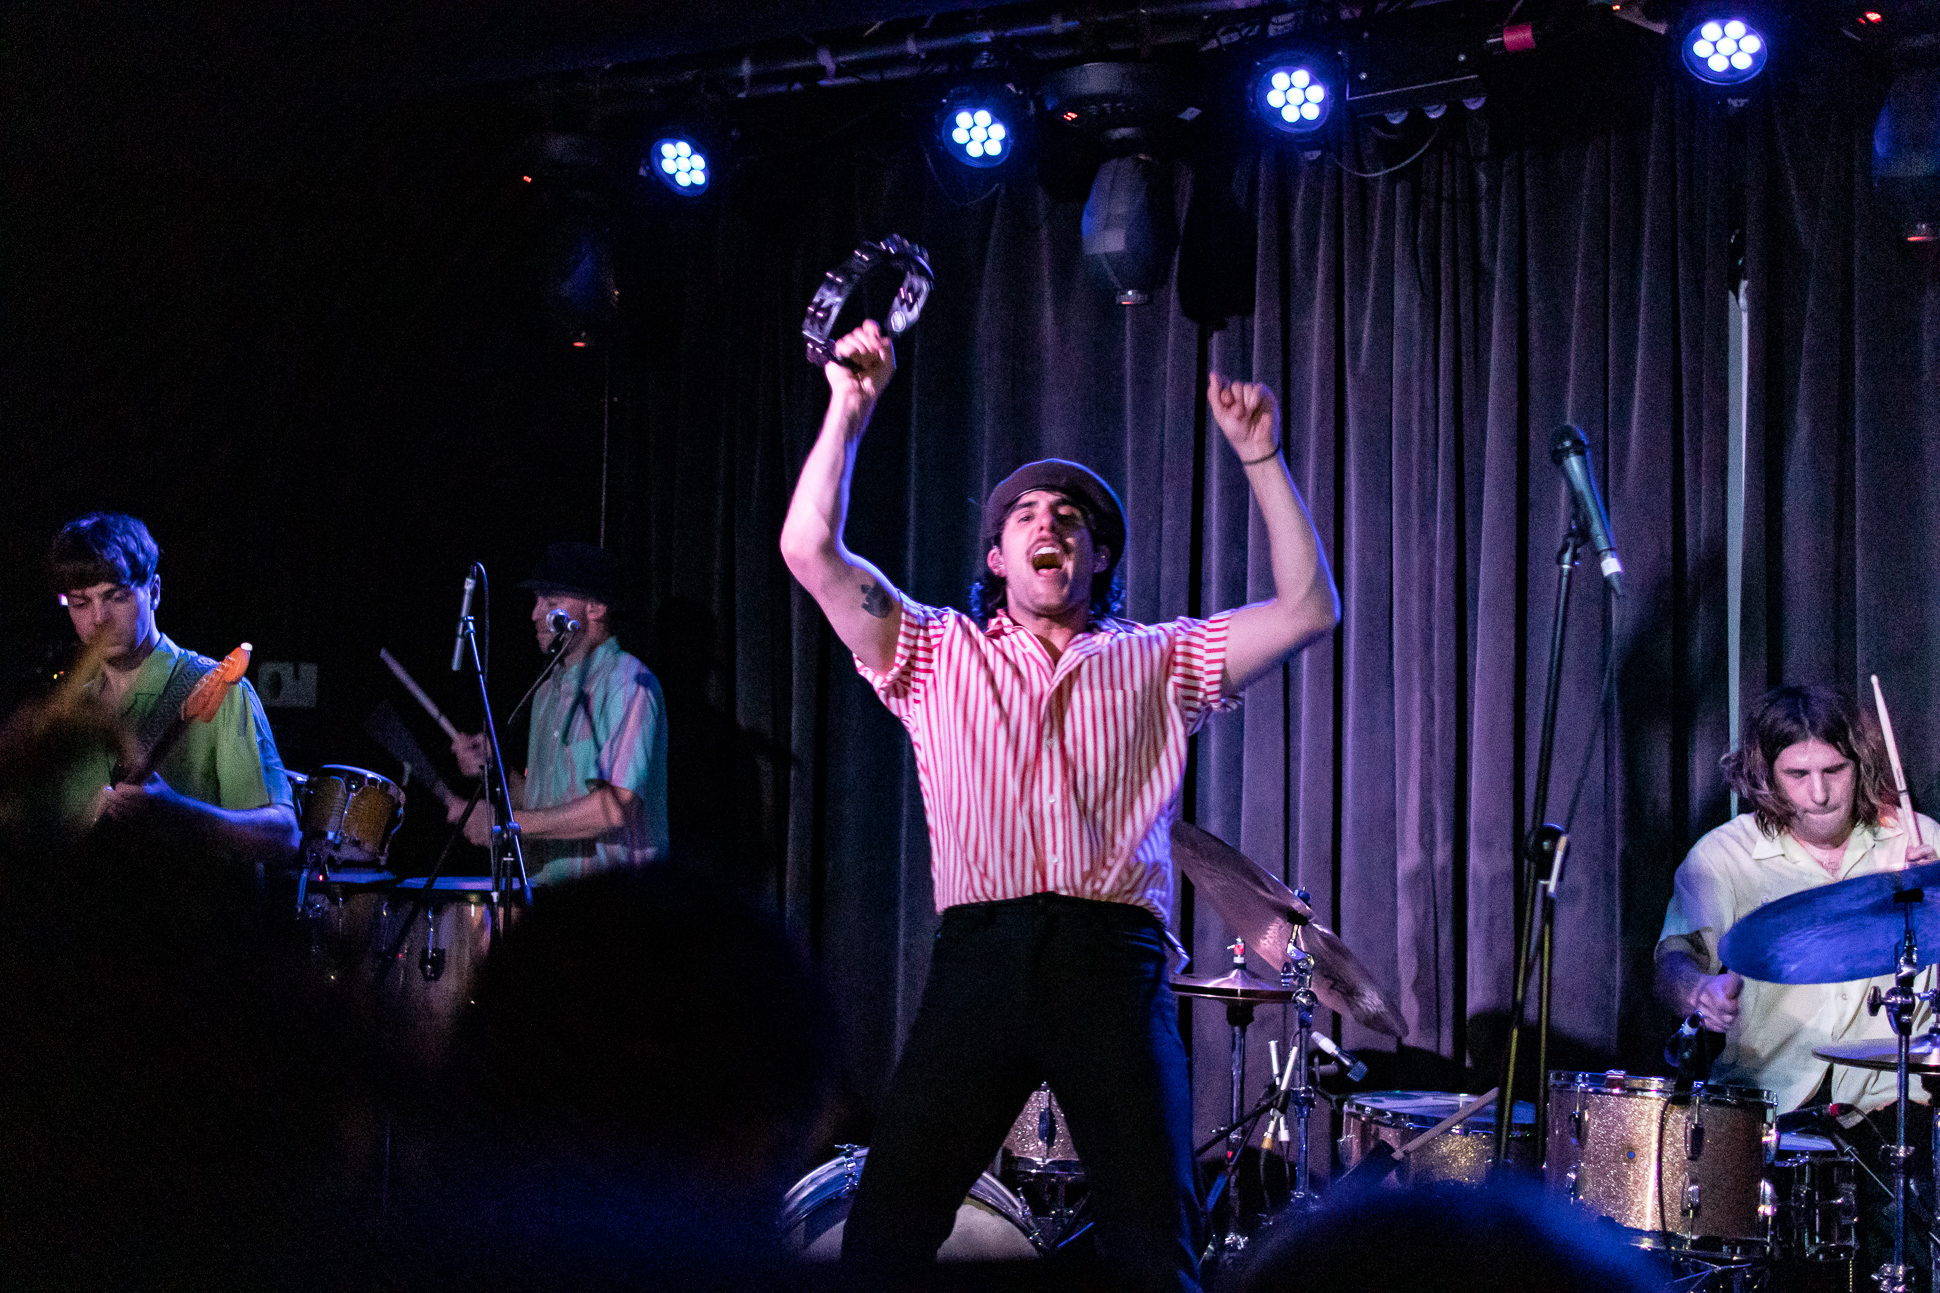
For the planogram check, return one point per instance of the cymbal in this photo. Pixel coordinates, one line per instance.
(1837, 932)
(1236, 986)
(1922, 1054)
(1265, 913)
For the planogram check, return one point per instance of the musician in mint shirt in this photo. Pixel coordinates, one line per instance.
(222, 784)
(594, 793)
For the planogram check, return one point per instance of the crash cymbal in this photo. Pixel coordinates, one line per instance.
(1838, 932)
(1236, 986)
(1265, 914)
(1922, 1054)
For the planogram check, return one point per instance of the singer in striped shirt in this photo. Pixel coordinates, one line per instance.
(1050, 740)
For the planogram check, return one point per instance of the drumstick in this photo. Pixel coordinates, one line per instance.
(1893, 757)
(417, 692)
(1466, 1111)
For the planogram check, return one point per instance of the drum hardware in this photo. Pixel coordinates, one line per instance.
(1039, 1161)
(1815, 1213)
(1833, 934)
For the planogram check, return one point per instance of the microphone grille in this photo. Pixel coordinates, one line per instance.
(1567, 441)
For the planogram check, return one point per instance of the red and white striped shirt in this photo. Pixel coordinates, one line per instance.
(1052, 779)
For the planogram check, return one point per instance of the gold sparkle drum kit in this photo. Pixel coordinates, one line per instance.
(1698, 1171)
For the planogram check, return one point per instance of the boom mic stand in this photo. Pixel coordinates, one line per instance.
(507, 849)
(1538, 855)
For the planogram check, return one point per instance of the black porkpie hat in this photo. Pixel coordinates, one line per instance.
(1076, 482)
(578, 570)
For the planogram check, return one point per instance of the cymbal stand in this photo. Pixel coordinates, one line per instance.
(1240, 1015)
(1297, 972)
(1898, 1002)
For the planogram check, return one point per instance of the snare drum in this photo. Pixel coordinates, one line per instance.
(993, 1225)
(1680, 1169)
(1039, 1143)
(1462, 1153)
(349, 814)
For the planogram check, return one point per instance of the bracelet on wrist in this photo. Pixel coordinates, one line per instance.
(1254, 462)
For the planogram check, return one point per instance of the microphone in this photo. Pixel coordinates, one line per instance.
(1677, 1051)
(1355, 1069)
(464, 613)
(560, 622)
(1568, 450)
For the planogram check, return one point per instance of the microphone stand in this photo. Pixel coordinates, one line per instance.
(507, 848)
(1537, 849)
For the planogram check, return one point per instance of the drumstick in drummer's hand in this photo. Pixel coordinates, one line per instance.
(1893, 757)
(417, 692)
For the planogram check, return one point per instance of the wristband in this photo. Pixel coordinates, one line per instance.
(1254, 462)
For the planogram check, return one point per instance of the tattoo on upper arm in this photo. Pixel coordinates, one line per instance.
(876, 601)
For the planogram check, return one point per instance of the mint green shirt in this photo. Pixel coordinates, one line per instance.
(602, 720)
(229, 761)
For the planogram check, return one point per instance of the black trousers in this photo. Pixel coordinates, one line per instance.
(1045, 988)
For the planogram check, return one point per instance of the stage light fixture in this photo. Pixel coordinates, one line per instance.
(680, 163)
(1724, 47)
(1293, 94)
(978, 125)
(976, 136)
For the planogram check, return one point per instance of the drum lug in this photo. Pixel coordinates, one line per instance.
(1691, 1200)
(1696, 1147)
(1570, 1184)
(1576, 1126)
(1767, 1208)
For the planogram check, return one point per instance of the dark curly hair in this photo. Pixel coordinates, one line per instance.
(987, 591)
(103, 548)
(1785, 717)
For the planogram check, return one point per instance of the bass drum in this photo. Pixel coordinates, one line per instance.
(993, 1225)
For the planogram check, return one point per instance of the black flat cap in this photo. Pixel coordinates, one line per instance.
(1076, 482)
(578, 570)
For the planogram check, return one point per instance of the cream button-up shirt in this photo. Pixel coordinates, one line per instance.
(1733, 871)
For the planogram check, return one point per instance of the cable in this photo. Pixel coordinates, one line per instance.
(1375, 175)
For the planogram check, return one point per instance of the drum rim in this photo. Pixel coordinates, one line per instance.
(1611, 1082)
(1479, 1123)
(1735, 1095)
(365, 773)
(813, 1190)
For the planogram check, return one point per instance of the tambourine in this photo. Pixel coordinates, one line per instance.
(893, 252)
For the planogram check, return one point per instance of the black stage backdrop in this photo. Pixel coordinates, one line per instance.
(308, 346)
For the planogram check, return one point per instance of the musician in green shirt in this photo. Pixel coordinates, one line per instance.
(222, 785)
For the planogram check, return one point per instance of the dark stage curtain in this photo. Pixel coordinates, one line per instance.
(1427, 331)
(315, 355)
